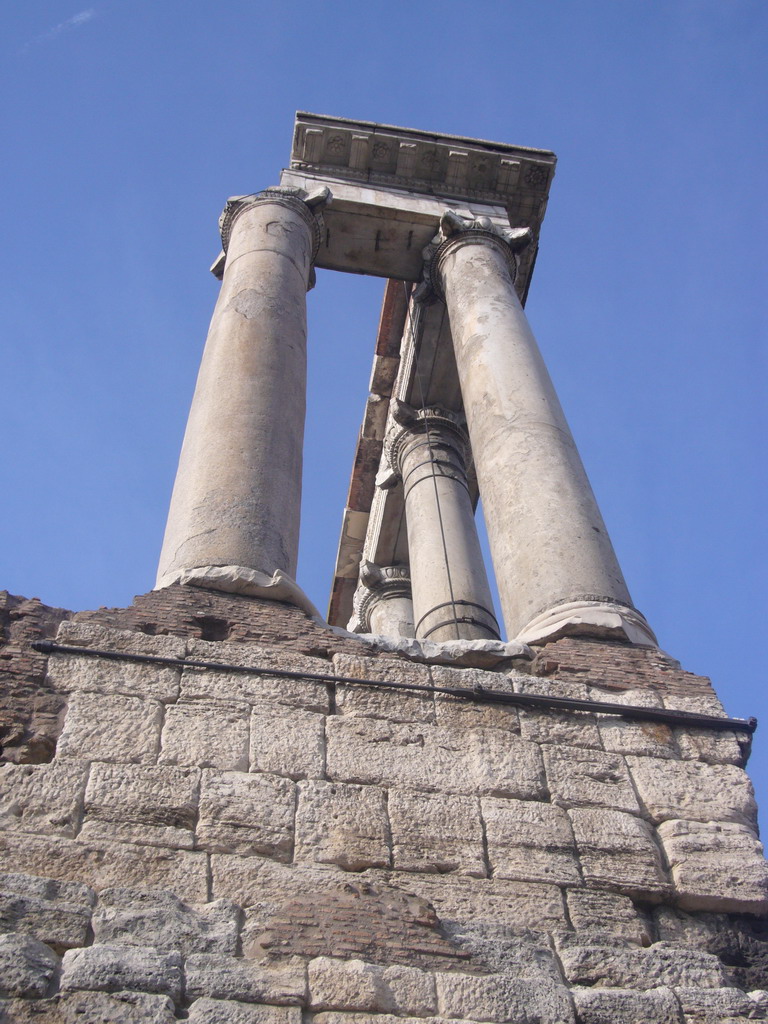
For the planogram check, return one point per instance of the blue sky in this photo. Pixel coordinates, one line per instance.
(126, 126)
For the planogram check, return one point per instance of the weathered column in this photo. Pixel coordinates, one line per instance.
(236, 500)
(451, 596)
(555, 565)
(383, 602)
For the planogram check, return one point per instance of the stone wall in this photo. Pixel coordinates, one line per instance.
(222, 845)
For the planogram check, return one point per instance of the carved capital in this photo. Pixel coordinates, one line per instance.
(307, 204)
(377, 583)
(438, 428)
(455, 231)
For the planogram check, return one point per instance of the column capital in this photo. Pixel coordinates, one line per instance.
(377, 583)
(307, 204)
(456, 231)
(411, 424)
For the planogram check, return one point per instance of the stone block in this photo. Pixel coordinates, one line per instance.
(604, 964)
(605, 913)
(73, 672)
(373, 702)
(623, 1006)
(106, 727)
(224, 977)
(618, 851)
(436, 832)
(226, 1011)
(27, 967)
(111, 968)
(137, 917)
(92, 1008)
(421, 756)
(530, 841)
(626, 736)
(589, 778)
(359, 986)
(248, 687)
(56, 913)
(103, 864)
(43, 798)
(156, 805)
(498, 997)
(209, 734)
(287, 741)
(342, 824)
(640, 697)
(722, 1005)
(570, 728)
(570, 688)
(463, 713)
(246, 814)
(713, 746)
(693, 790)
(716, 866)
(704, 703)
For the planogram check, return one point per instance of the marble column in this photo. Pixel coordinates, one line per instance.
(383, 603)
(555, 565)
(236, 499)
(451, 596)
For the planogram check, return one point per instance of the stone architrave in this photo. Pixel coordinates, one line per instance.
(236, 500)
(428, 449)
(554, 562)
(383, 603)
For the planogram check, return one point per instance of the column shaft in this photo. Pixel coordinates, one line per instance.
(548, 540)
(236, 500)
(451, 595)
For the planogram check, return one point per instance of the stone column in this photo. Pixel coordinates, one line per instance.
(236, 500)
(555, 565)
(383, 602)
(451, 596)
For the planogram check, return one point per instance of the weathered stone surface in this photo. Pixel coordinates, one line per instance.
(357, 985)
(235, 686)
(705, 702)
(498, 997)
(110, 968)
(57, 913)
(530, 840)
(625, 736)
(693, 790)
(209, 734)
(287, 741)
(618, 851)
(73, 672)
(428, 757)
(226, 1011)
(589, 778)
(721, 1005)
(606, 964)
(223, 977)
(716, 865)
(574, 729)
(153, 805)
(137, 917)
(518, 906)
(463, 713)
(246, 813)
(106, 727)
(623, 1006)
(713, 746)
(605, 913)
(103, 864)
(436, 832)
(373, 702)
(92, 1008)
(42, 798)
(342, 824)
(27, 966)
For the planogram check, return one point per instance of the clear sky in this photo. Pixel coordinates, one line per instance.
(127, 124)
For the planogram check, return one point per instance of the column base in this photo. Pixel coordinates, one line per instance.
(236, 579)
(604, 620)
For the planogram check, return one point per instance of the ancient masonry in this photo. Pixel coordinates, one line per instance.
(215, 806)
